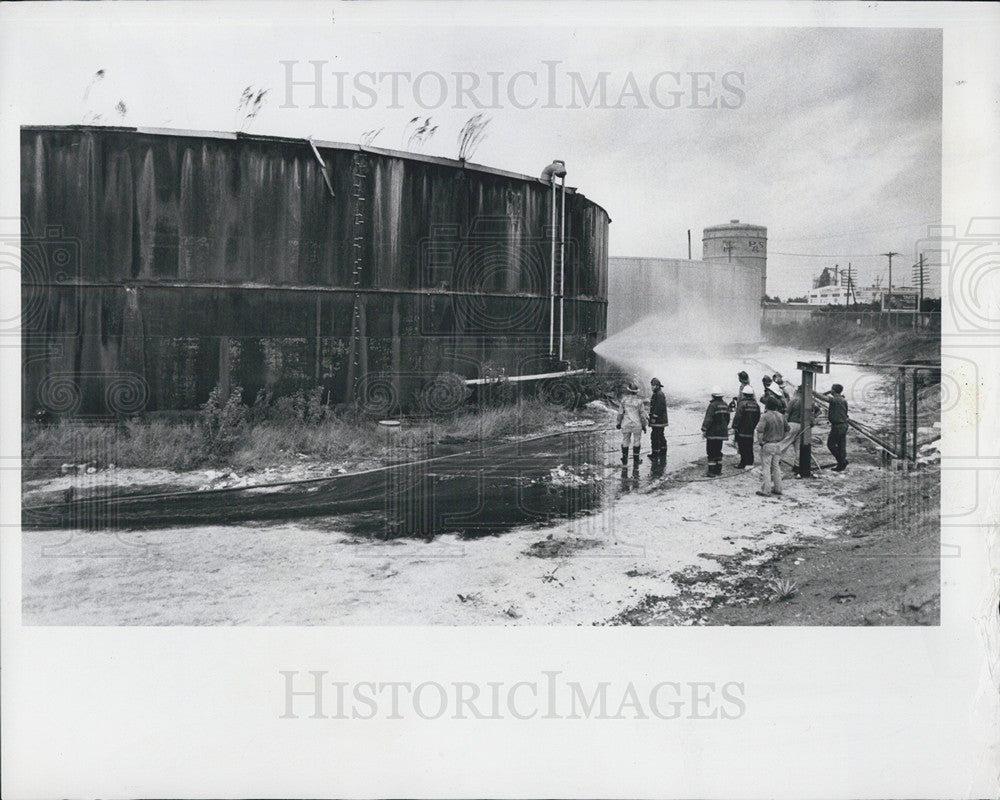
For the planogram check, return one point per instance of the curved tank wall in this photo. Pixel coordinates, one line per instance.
(156, 265)
(737, 243)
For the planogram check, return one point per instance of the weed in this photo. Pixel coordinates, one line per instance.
(224, 420)
(230, 434)
(249, 106)
(472, 134)
(783, 589)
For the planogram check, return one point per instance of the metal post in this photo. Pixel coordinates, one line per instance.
(901, 390)
(805, 443)
(689, 244)
(552, 281)
(562, 264)
(913, 413)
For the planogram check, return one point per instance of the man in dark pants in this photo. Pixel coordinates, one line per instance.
(744, 423)
(715, 429)
(657, 423)
(837, 414)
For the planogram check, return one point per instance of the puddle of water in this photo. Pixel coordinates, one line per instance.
(497, 487)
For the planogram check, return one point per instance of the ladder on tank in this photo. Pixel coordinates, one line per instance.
(359, 173)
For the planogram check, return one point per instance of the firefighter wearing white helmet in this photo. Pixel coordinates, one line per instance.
(715, 429)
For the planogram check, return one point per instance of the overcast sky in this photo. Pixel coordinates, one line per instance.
(829, 137)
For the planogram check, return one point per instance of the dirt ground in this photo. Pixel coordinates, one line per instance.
(677, 549)
(877, 564)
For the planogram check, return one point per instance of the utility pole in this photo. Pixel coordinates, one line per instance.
(850, 290)
(890, 254)
(689, 244)
(920, 304)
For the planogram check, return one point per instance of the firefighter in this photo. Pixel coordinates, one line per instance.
(782, 387)
(770, 390)
(715, 429)
(744, 379)
(632, 421)
(657, 423)
(744, 423)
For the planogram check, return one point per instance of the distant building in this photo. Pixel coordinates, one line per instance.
(837, 295)
(831, 295)
(828, 277)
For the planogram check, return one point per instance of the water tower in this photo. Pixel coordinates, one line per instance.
(737, 243)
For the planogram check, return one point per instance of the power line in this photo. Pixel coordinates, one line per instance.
(825, 255)
(893, 226)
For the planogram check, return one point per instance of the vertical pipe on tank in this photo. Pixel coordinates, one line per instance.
(552, 277)
(562, 262)
(317, 348)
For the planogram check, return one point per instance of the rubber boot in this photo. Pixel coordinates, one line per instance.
(624, 455)
(635, 454)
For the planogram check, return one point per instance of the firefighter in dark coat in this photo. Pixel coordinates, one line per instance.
(657, 423)
(744, 423)
(744, 380)
(715, 429)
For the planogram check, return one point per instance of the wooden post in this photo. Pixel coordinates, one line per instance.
(914, 415)
(805, 443)
(901, 396)
(809, 369)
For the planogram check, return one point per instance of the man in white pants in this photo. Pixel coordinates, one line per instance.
(769, 432)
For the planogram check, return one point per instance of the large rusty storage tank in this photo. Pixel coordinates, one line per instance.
(737, 243)
(158, 264)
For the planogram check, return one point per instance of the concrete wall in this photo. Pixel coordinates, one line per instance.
(158, 265)
(700, 300)
(781, 314)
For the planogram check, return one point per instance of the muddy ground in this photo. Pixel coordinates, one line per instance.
(669, 548)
